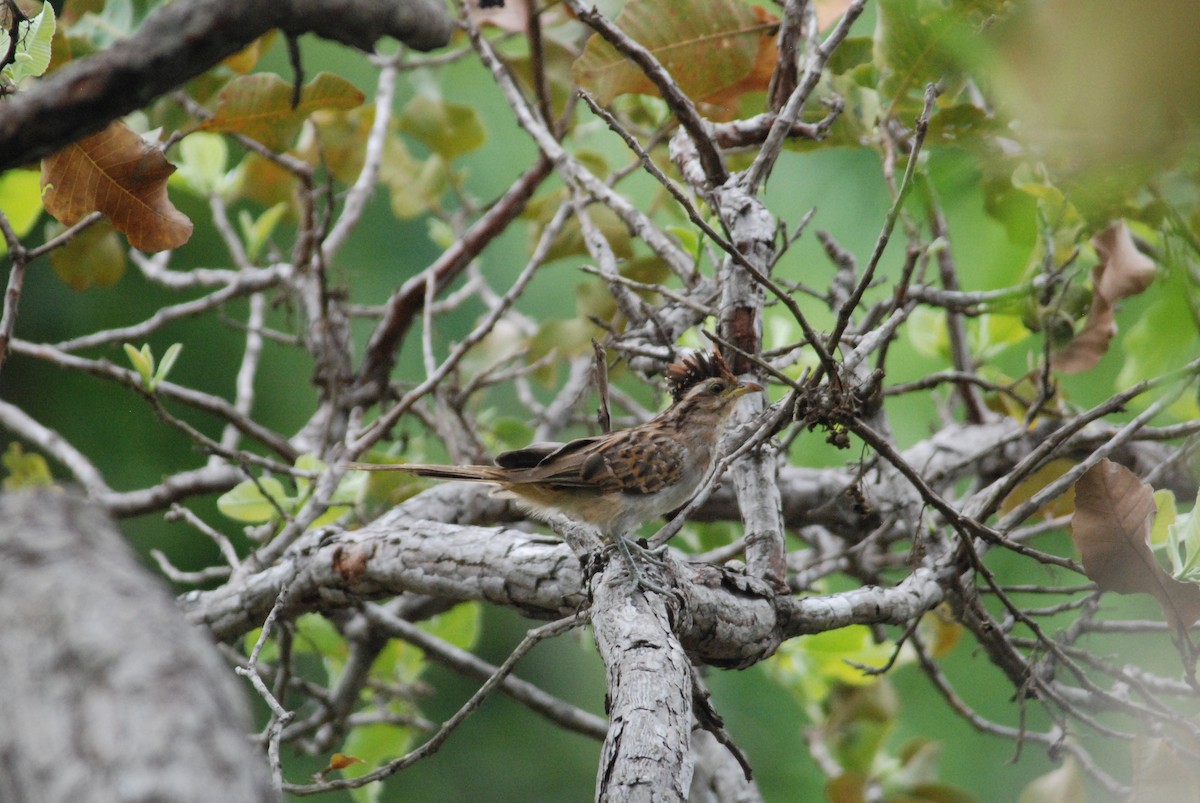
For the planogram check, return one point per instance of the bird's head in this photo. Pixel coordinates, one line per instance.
(704, 380)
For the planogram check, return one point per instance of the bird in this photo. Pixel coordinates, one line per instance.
(618, 480)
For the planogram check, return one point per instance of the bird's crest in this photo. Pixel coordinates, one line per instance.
(695, 368)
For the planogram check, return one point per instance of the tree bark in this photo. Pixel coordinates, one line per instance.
(180, 41)
(109, 694)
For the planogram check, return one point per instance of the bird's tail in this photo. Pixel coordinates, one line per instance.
(464, 473)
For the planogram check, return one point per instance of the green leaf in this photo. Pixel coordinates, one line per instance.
(256, 232)
(928, 333)
(115, 21)
(25, 470)
(1183, 546)
(202, 163)
(374, 744)
(511, 433)
(921, 41)
(1162, 338)
(447, 129)
(307, 462)
(316, 635)
(93, 258)
(458, 626)
(854, 51)
(994, 333)
(815, 665)
(168, 361)
(416, 186)
(143, 362)
(20, 201)
(1166, 515)
(269, 652)
(245, 502)
(32, 55)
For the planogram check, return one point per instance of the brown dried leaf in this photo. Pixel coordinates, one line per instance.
(1126, 271)
(1123, 272)
(723, 104)
(706, 46)
(829, 12)
(115, 172)
(1114, 511)
(1160, 772)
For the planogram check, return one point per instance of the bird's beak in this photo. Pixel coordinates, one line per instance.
(746, 387)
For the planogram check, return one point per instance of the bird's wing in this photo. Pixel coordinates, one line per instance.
(644, 462)
(529, 456)
(467, 473)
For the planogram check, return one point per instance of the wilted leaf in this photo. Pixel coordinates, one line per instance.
(92, 258)
(1160, 773)
(1111, 529)
(829, 12)
(260, 106)
(1127, 270)
(706, 46)
(723, 103)
(119, 175)
(940, 632)
(859, 720)
(1123, 271)
(1063, 785)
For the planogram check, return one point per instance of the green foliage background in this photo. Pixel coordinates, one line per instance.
(504, 752)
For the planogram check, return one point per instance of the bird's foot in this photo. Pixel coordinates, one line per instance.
(654, 556)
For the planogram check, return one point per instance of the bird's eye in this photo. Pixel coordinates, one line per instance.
(716, 387)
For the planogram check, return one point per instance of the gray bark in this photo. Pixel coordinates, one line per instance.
(109, 695)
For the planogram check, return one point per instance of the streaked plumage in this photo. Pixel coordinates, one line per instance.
(619, 480)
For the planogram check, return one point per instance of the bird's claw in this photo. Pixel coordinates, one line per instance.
(656, 556)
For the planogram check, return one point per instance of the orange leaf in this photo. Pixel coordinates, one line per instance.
(1114, 511)
(706, 46)
(340, 761)
(829, 12)
(117, 173)
(259, 106)
(722, 104)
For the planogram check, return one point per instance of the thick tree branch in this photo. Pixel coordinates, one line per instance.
(92, 652)
(180, 41)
